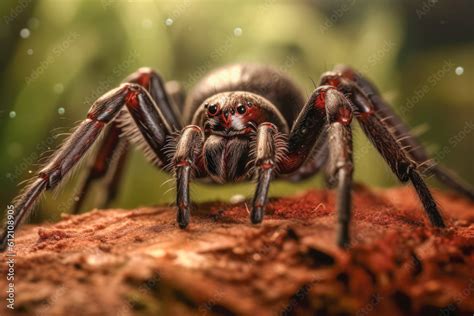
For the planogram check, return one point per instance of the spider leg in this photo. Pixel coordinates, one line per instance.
(187, 162)
(316, 161)
(155, 85)
(340, 165)
(326, 116)
(309, 129)
(111, 157)
(399, 161)
(108, 163)
(147, 117)
(266, 144)
(402, 134)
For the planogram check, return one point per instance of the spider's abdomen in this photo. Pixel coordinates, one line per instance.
(226, 158)
(261, 80)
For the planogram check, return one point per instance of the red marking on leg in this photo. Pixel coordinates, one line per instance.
(345, 116)
(144, 80)
(365, 115)
(334, 82)
(320, 102)
(132, 99)
(290, 162)
(267, 165)
(183, 164)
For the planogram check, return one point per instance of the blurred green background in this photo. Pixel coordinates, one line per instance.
(57, 57)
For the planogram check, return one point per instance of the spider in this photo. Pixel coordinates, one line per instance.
(241, 122)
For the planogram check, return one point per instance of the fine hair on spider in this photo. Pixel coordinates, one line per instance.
(240, 122)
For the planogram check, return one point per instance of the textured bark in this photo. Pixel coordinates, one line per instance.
(122, 262)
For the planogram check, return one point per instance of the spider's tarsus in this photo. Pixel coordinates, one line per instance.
(343, 237)
(427, 199)
(256, 216)
(183, 217)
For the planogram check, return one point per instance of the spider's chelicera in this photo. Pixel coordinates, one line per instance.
(241, 122)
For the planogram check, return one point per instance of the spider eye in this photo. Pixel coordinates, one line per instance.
(241, 109)
(212, 109)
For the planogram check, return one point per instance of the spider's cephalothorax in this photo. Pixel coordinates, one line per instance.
(230, 120)
(241, 122)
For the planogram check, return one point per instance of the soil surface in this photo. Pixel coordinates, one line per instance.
(138, 262)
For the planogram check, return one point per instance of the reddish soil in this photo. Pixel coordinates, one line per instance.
(122, 262)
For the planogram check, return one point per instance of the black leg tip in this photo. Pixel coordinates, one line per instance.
(183, 218)
(438, 221)
(256, 216)
(343, 244)
(343, 239)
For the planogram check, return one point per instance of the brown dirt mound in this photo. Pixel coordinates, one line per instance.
(121, 262)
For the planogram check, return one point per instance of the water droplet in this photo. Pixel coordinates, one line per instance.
(33, 23)
(237, 31)
(12, 114)
(58, 88)
(147, 23)
(459, 70)
(30, 51)
(169, 22)
(25, 33)
(30, 171)
(61, 111)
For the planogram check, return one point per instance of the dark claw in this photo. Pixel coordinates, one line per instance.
(343, 236)
(183, 217)
(256, 216)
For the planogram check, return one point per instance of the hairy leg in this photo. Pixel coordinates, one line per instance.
(108, 163)
(413, 147)
(326, 117)
(147, 117)
(391, 150)
(340, 166)
(266, 151)
(187, 162)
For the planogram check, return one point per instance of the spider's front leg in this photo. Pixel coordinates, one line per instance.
(187, 163)
(149, 120)
(329, 109)
(340, 165)
(267, 145)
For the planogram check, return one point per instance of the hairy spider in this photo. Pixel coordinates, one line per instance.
(241, 122)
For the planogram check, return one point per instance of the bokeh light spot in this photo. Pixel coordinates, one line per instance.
(237, 31)
(25, 33)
